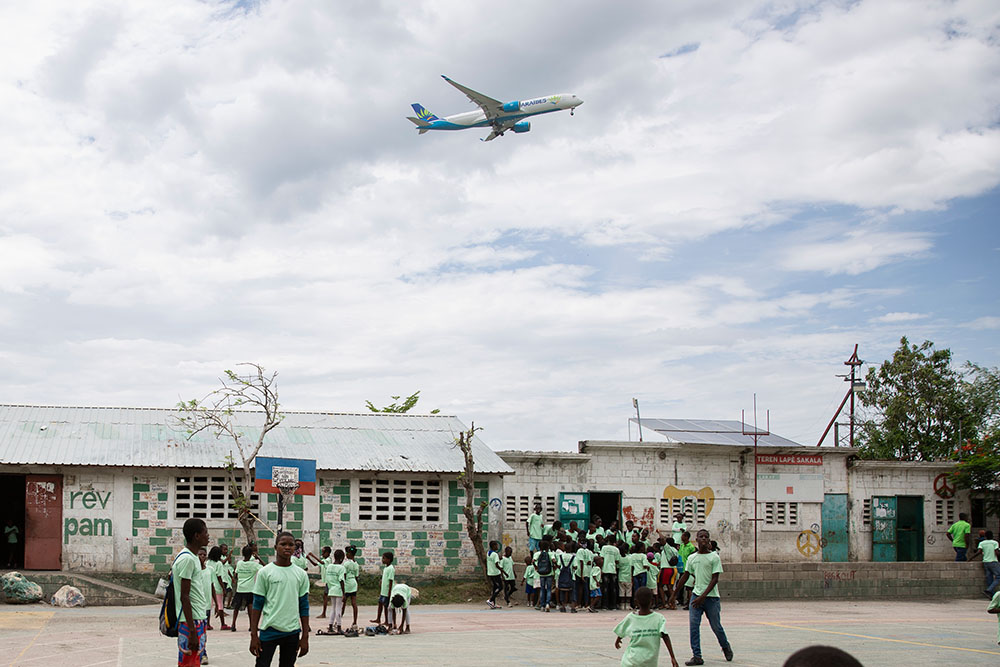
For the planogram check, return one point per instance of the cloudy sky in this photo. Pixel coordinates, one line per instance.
(749, 189)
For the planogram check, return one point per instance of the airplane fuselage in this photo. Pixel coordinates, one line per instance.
(525, 109)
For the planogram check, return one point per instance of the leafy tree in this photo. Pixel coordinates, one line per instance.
(467, 480)
(978, 470)
(408, 403)
(216, 413)
(922, 408)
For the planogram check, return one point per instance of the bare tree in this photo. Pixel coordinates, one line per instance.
(467, 479)
(216, 413)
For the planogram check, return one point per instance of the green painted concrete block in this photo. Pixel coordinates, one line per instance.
(164, 550)
(390, 544)
(161, 567)
(421, 544)
(386, 534)
(325, 525)
(162, 514)
(453, 544)
(450, 553)
(164, 532)
(419, 535)
(418, 552)
(140, 505)
(345, 516)
(140, 487)
(141, 523)
(421, 561)
(292, 525)
(450, 535)
(354, 534)
(453, 561)
(157, 558)
(157, 541)
(161, 496)
(326, 507)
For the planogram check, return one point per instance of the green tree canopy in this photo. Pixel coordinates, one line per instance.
(921, 408)
(408, 403)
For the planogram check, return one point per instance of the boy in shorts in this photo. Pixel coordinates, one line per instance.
(246, 575)
(388, 575)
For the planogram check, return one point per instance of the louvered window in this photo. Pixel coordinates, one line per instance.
(394, 500)
(206, 497)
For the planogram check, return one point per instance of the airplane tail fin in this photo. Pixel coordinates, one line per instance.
(423, 114)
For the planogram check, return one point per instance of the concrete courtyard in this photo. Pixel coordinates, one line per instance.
(762, 633)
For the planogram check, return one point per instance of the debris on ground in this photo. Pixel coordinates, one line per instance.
(68, 596)
(18, 590)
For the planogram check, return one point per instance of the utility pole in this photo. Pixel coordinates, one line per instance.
(856, 385)
(756, 435)
(638, 419)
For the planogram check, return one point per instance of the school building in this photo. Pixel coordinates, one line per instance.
(108, 489)
(808, 504)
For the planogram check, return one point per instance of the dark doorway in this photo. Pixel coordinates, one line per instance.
(12, 507)
(909, 528)
(607, 505)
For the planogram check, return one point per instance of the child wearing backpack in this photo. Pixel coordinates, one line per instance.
(190, 602)
(544, 567)
(565, 581)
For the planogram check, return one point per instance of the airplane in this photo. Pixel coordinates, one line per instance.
(493, 113)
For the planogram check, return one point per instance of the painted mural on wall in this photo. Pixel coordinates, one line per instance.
(704, 493)
(88, 526)
(645, 519)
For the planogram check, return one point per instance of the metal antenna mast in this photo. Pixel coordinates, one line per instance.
(756, 433)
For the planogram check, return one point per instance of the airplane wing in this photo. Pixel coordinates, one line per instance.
(491, 107)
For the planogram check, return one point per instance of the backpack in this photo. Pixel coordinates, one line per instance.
(566, 574)
(168, 610)
(544, 564)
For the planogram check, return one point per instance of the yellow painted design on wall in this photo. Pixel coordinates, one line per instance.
(808, 543)
(507, 540)
(704, 493)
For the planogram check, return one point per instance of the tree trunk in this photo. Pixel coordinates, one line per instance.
(473, 519)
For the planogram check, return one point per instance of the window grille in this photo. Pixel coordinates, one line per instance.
(944, 512)
(693, 509)
(520, 507)
(399, 500)
(866, 512)
(206, 497)
(781, 514)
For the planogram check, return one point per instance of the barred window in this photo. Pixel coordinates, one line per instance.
(520, 507)
(944, 512)
(693, 509)
(781, 514)
(206, 498)
(399, 500)
(866, 512)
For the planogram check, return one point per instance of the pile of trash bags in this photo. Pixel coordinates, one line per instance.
(18, 590)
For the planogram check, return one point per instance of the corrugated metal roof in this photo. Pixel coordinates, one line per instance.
(712, 432)
(152, 438)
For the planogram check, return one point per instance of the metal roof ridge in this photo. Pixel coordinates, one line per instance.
(287, 412)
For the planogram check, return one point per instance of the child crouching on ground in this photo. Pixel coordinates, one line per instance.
(400, 600)
(644, 629)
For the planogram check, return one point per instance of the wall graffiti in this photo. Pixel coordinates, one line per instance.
(507, 540)
(808, 543)
(87, 502)
(723, 526)
(646, 520)
(705, 493)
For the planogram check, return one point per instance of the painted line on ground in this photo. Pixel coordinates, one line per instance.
(884, 639)
(48, 615)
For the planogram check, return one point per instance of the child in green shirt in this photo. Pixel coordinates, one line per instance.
(530, 581)
(994, 608)
(644, 629)
(596, 575)
(493, 572)
(321, 563)
(334, 575)
(507, 571)
(351, 571)
(279, 618)
(388, 575)
(246, 575)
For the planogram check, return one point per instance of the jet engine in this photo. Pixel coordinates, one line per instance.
(510, 107)
(520, 128)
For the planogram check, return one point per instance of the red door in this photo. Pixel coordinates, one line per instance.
(43, 522)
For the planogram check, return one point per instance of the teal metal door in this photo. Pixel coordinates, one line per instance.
(834, 528)
(909, 528)
(884, 529)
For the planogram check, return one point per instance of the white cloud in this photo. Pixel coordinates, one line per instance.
(984, 323)
(892, 318)
(187, 186)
